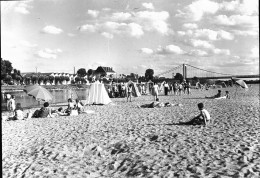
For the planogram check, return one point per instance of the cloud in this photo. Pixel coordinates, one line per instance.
(221, 51)
(148, 5)
(107, 35)
(190, 25)
(23, 8)
(28, 44)
(213, 35)
(48, 53)
(87, 28)
(196, 10)
(198, 52)
(201, 43)
(246, 7)
(52, 30)
(170, 49)
(255, 52)
(146, 51)
(120, 16)
(252, 32)
(93, 13)
(237, 20)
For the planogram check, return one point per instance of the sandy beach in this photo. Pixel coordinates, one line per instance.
(122, 140)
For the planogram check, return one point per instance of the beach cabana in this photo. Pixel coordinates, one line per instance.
(98, 94)
(135, 90)
(149, 87)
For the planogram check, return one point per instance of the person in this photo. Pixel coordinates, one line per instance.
(18, 113)
(227, 96)
(79, 106)
(123, 90)
(202, 119)
(184, 84)
(175, 88)
(129, 89)
(8, 98)
(44, 112)
(180, 88)
(215, 96)
(166, 88)
(155, 91)
(188, 86)
(70, 106)
(12, 104)
(157, 104)
(60, 112)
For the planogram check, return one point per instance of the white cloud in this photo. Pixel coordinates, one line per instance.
(87, 28)
(135, 30)
(252, 32)
(52, 30)
(190, 25)
(213, 35)
(170, 49)
(146, 51)
(48, 53)
(221, 51)
(148, 5)
(255, 52)
(106, 9)
(28, 44)
(198, 52)
(120, 16)
(93, 13)
(225, 35)
(181, 33)
(201, 43)
(237, 20)
(197, 9)
(246, 7)
(153, 21)
(107, 35)
(22, 8)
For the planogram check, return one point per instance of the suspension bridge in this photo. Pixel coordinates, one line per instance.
(189, 72)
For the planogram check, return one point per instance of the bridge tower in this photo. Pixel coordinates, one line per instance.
(184, 73)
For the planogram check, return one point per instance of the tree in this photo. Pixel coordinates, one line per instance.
(67, 79)
(90, 72)
(82, 72)
(179, 77)
(34, 79)
(51, 78)
(57, 79)
(77, 79)
(8, 78)
(46, 79)
(41, 79)
(149, 74)
(6, 67)
(19, 79)
(62, 78)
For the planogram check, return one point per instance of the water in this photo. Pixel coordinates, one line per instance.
(59, 96)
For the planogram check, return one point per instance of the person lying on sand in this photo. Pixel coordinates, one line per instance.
(60, 112)
(157, 104)
(227, 96)
(202, 119)
(215, 96)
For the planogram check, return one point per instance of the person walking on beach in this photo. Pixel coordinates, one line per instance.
(129, 89)
(202, 119)
(155, 91)
(166, 88)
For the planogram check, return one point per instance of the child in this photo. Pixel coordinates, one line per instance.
(202, 119)
(227, 96)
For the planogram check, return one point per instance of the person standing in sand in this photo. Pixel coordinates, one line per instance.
(155, 91)
(129, 89)
(202, 119)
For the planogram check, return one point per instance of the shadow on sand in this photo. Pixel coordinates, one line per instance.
(179, 123)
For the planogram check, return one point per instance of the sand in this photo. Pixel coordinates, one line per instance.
(122, 140)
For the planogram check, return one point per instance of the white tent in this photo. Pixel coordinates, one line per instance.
(98, 94)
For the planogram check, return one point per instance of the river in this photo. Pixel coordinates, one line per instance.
(59, 96)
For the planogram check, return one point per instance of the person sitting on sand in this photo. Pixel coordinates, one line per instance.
(158, 104)
(44, 112)
(202, 119)
(79, 106)
(215, 96)
(18, 113)
(70, 106)
(227, 96)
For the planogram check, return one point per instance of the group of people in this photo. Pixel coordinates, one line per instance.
(121, 90)
(219, 95)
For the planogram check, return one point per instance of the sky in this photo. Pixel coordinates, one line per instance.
(131, 35)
